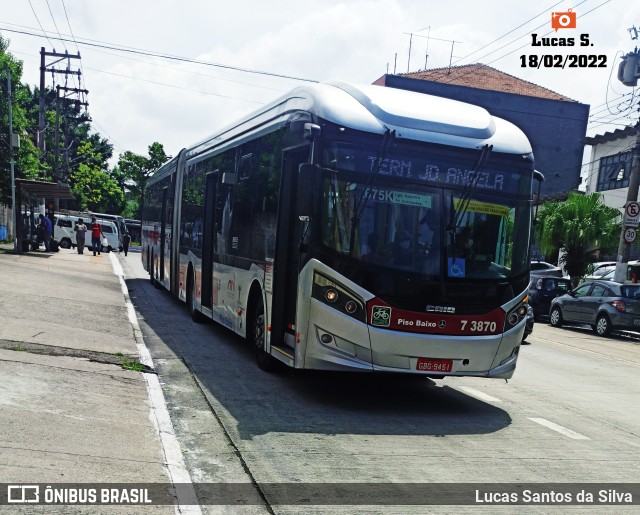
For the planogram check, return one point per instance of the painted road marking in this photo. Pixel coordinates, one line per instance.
(478, 394)
(562, 430)
(588, 351)
(159, 413)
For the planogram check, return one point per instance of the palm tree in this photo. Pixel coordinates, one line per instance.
(584, 226)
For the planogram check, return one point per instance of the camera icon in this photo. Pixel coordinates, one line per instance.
(563, 20)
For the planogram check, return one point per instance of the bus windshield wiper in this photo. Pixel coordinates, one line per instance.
(359, 206)
(465, 198)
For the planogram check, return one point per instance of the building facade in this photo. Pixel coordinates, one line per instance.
(555, 125)
(609, 170)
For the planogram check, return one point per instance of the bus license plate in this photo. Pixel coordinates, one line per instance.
(434, 365)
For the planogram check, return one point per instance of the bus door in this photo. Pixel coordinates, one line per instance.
(208, 239)
(163, 230)
(286, 259)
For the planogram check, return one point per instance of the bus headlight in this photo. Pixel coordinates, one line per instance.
(331, 295)
(351, 307)
(338, 297)
(516, 315)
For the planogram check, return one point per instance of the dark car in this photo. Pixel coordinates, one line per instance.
(605, 305)
(544, 268)
(543, 289)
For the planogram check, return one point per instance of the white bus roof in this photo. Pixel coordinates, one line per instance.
(414, 116)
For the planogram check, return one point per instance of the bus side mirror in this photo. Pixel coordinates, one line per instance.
(304, 199)
(538, 176)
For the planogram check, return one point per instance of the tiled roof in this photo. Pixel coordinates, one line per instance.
(611, 136)
(481, 76)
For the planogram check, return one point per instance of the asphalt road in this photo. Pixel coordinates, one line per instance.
(569, 415)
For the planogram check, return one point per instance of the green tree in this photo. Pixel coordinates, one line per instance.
(584, 226)
(26, 157)
(133, 172)
(92, 186)
(67, 131)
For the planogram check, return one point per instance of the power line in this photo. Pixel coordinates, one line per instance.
(523, 46)
(54, 23)
(176, 87)
(64, 7)
(164, 56)
(38, 20)
(551, 31)
(169, 85)
(150, 63)
(520, 37)
(506, 34)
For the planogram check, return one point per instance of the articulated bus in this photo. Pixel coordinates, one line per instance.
(356, 228)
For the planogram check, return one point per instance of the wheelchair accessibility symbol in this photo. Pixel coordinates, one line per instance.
(456, 267)
(381, 316)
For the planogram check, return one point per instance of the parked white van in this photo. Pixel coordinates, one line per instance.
(116, 219)
(64, 234)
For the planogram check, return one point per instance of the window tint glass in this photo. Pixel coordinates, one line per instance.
(583, 290)
(599, 291)
(631, 291)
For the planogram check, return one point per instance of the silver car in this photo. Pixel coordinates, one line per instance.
(605, 305)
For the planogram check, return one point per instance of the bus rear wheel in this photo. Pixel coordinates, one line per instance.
(257, 335)
(196, 316)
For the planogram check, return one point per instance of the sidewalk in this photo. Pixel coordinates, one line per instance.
(70, 412)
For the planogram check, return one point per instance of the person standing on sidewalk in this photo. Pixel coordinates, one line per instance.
(126, 239)
(96, 235)
(47, 232)
(81, 231)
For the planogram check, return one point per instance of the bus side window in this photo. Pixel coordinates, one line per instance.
(242, 209)
(224, 217)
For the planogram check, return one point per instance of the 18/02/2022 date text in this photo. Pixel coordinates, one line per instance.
(563, 61)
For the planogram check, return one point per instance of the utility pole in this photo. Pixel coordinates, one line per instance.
(12, 141)
(632, 196)
(44, 67)
(40, 138)
(59, 100)
(628, 74)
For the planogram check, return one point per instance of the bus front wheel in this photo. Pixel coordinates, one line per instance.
(258, 338)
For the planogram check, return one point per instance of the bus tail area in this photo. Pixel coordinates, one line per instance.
(334, 229)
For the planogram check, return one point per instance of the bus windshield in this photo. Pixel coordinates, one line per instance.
(431, 226)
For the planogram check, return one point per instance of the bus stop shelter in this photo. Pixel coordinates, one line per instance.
(27, 194)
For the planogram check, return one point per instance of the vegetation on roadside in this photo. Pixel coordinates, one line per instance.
(583, 225)
(134, 365)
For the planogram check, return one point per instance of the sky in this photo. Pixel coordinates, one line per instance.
(250, 52)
